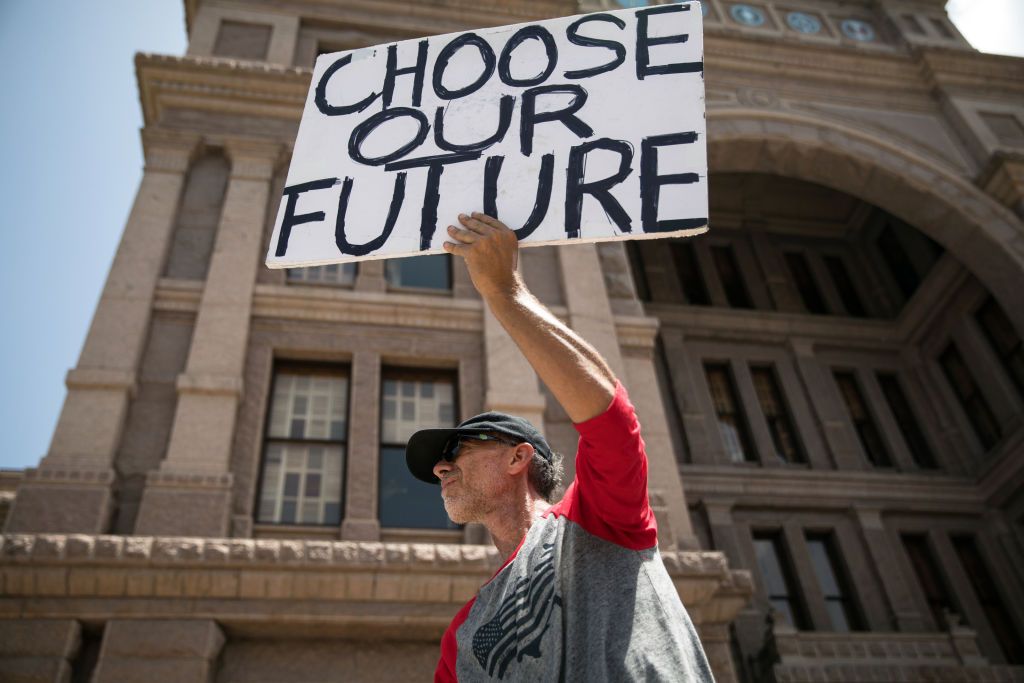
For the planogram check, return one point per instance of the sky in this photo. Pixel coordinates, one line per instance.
(69, 133)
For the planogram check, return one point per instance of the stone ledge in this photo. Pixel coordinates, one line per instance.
(188, 480)
(210, 385)
(60, 475)
(99, 378)
(73, 549)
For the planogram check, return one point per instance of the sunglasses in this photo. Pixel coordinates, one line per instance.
(454, 445)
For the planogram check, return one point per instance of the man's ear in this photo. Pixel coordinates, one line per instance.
(519, 460)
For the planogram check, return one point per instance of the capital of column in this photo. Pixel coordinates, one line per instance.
(802, 347)
(719, 510)
(869, 516)
(101, 378)
(209, 385)
(169, 151)
(252, 159)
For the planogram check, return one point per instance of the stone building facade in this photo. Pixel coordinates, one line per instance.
(831, 382)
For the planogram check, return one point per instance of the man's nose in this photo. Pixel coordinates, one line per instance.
(442, 468)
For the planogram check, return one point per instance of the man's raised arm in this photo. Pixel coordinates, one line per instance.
(571, 368)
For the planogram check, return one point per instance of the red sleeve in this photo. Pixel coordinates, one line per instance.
(445, 672)
(608, 498)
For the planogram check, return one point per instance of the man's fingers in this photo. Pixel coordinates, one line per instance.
(473, 224)
(489, 220)
(464, 236)
(457, 249)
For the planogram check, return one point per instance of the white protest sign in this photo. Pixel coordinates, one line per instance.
(585, 128)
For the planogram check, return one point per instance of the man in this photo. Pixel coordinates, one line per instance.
(582, 594)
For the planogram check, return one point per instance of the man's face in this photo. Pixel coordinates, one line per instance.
(475, 482)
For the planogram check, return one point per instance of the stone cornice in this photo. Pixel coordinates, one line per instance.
(772, 326)
(795, 488)
(977, 71)
(220, 84)
(228, 577)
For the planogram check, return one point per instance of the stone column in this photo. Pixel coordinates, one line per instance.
(826, 407)
(704, 448)
(370, 277)
(141, 651)
(190, 493)
(510, 380)
(776, 277)
(38, 650)
(70, 490)
(590, 315)
(363, 458)
(897, 594)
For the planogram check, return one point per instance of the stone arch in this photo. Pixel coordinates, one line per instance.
(984, 235)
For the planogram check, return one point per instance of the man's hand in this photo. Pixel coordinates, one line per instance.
(573, 370)
(491, 252)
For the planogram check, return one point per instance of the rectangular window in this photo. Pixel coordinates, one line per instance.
(844, 286)
(971, 400)
(732, 279)
(863, 422)
(898, 260)
(242, 40)
(337, 274)
(906, 420)
(805, 283)
(732, 423)
(991, 601)
(932, 582)
(834, 583)
(638, 270)
(1004, 340)
(691, 279)
(777, 577)
(411, 400)
(430, 272)
(776, 413)
(304, 451)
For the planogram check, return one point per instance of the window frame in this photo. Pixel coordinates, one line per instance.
(1004, 357)
(742, 425)
(410, 373)
(786, 411)
(310, 368)
(432, 291)
(937, 605)
(869, 420)
(916, 433)
(794, 597)
(847, 597)
(291, 280)
(976, 397)
(742, 286)
(812, 296)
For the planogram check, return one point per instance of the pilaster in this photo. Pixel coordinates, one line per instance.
(826, 406)
(904, 612)
(71, 489)
(38, 650)
(159, 650)
(361, 522)
(209, 390)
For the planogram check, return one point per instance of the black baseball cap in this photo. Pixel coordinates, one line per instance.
(426, 446)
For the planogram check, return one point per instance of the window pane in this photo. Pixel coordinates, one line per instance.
(810, 294)
(832, 580)
(863, 421)
(1004, 340)
(732, 424)
(778, 578)
(898, 260)
(423, 272)
(340, 274)
(932, 583)
(906, 420)
(691, 279)
(991, 601)
(415, 410)
(406, 501)
(309, 492)
(971, 400)
(776, 414)
(731, 277)
(300, 406)
(845, 287)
